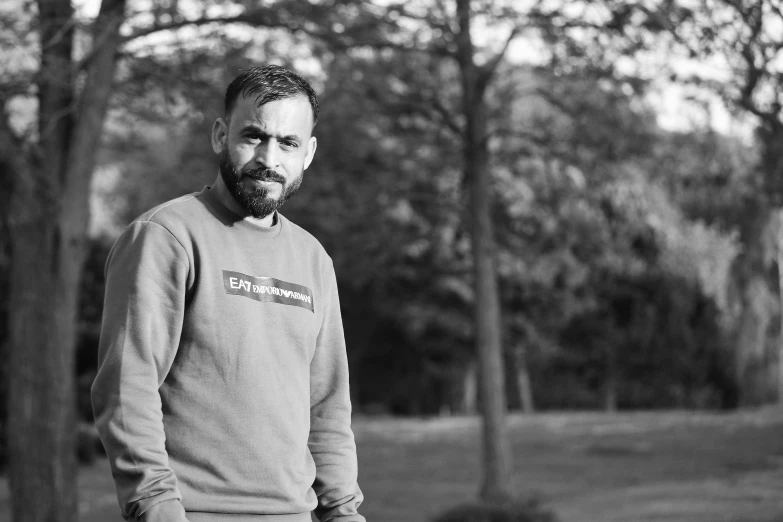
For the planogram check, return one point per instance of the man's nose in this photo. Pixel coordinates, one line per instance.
(267, 154)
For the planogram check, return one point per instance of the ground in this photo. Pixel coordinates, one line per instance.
(587, 467)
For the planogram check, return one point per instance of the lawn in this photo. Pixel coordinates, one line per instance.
(588, 467)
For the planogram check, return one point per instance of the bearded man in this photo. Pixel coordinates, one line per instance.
(222, 388)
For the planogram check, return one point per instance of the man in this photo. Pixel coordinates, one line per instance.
(222, 388)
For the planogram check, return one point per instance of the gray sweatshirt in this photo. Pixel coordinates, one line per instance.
(223, 379)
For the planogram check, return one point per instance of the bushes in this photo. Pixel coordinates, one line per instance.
(515, 511)
(657, 337)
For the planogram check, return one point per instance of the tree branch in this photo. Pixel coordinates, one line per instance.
(428, 18)
(431, 109)
(264, 18)
(447, 116)
(352, 36)
(527, 135)
(100, 37)
(383, 44)
(486, 71)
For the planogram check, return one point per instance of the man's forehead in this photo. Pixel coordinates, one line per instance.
(247, 108)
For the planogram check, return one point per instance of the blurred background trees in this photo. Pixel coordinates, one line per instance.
(635, 252)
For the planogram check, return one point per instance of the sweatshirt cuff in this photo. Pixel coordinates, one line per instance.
(167, 511)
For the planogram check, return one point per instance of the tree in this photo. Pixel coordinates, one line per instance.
(744, 39)
(497, 449)
(469, 120)
(443, 31)
(47, 223)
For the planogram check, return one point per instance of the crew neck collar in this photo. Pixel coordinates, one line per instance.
(235, 220)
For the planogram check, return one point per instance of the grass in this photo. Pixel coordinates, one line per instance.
(588, 467)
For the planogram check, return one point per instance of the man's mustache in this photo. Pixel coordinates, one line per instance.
(264, 175)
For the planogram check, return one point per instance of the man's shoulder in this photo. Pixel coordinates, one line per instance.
(173, 211)
(305, 238)
(177, 216)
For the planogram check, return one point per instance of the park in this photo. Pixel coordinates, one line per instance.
(555, 230)
(672, 466)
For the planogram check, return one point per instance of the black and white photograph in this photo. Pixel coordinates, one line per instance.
(391, 260)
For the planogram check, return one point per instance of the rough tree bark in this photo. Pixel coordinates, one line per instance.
(42, 462)
(496, 449)
(780, 306)
(48, 231)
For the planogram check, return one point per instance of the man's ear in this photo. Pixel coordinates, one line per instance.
(219, 135)
(312, 144)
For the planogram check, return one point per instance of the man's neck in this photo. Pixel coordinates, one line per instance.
(227, 199)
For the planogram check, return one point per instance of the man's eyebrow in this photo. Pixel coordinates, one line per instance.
(252, 128)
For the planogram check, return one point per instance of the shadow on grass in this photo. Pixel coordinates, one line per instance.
(515, 511)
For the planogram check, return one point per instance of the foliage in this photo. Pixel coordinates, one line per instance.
(573, 218)
(594, 204)
(711, 177)
(666, 335)
(630, 259)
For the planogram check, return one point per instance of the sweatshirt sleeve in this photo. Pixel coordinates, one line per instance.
(146, 279)
(331, 440)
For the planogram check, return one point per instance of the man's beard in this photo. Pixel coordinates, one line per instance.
(256, 201)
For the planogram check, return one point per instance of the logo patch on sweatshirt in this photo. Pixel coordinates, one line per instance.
(267, 289)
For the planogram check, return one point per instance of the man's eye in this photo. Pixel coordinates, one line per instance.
(289, 144)
(256, 137)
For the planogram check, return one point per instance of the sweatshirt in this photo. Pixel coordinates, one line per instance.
(222, 377)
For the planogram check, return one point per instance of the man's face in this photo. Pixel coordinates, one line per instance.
(264, 151)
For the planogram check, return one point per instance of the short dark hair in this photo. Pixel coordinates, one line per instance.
(269, 83)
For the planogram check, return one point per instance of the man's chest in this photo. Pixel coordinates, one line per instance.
(251, 303)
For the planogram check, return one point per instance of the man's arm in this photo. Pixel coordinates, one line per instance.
(331, 440)
(146, 278)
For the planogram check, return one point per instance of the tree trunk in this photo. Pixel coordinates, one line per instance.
(771, 134)
(518, 389)
(523, 380)
(7, 166)
(41, 402)
(751, 370)
(497, 453)
(41, 410)
(610, 379)
(4, 269)
(497, 450)
(48, 230)
(756, 303)
(780, 306)
(469, 385)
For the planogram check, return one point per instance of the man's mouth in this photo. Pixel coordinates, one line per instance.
(267, 177)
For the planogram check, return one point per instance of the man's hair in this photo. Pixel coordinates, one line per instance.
(267, 84)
